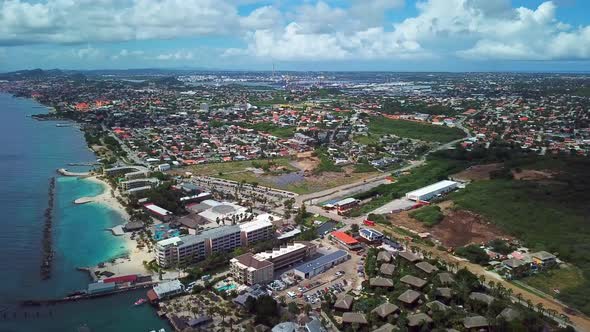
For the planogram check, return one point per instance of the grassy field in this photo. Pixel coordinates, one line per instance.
(326, 164)
(306, 186)
(563, 278)
(215, 169)
(547, 215)
(429, 215)
(366, 140)
(380, 126)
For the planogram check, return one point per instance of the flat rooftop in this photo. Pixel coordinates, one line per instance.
(433, 187)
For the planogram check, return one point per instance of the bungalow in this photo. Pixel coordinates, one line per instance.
(481, 297)
(509, 314)
(426, 267)
(409, 256)
(419, 320)
(413, 281)
(385, 309)
(445, 278)
(409, 296)
(343, 302)
(387, 327)
(354, 318)
(475, 323)
(387, 269)
(384, 256)
(437, 306)
(444, 292)
(381, 282)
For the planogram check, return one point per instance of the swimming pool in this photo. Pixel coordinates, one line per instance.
(226, 288)
(164, 231)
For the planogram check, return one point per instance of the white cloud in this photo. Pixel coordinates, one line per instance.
(176, 56)
(67, 21)
(314, 30)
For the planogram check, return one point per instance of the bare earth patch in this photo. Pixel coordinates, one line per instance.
(477, 172)
(457, 229)
(306, 162)
(532, 175)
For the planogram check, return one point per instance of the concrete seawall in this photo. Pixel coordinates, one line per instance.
(65, 172)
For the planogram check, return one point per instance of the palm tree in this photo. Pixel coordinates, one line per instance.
(540, 308)
(519, 297)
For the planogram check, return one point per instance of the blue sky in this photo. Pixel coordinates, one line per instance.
(398, 35)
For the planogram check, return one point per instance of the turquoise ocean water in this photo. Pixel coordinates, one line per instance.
(30, 152)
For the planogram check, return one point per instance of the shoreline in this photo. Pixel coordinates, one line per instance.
(132, 262)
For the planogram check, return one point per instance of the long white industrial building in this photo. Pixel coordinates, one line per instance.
(426, 193)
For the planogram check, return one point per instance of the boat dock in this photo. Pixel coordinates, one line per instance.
(86, 296)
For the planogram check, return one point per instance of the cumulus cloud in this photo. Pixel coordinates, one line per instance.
(63, 21)
(313, 30)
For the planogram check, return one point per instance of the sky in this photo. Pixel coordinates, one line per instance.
(343, 35)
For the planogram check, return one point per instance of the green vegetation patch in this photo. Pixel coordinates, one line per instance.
(426, 132)
(429, 215)
(214, 169)
(326, 163)
(546, 215)
(473, 253)
(558, 278)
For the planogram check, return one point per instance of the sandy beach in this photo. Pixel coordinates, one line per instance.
(133, 263)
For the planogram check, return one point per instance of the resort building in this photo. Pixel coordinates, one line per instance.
(158, 212)
(138, 183)
(255, 231)
(288, 254)
(224, 238)
(123, 170)
(180, 251)
(249, 270)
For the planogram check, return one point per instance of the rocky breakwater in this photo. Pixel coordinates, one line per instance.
(47, 253)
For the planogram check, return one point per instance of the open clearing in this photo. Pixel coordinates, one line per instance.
(477, 172)
(458, 228)
(293, 175)
(555, 279)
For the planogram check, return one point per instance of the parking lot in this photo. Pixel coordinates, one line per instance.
(339, 279)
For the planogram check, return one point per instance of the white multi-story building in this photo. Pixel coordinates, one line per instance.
(255, 231)
(193, 248)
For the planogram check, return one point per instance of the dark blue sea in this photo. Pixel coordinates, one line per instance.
(30, 153)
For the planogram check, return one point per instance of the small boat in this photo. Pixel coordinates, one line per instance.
(62, 125)
(139, 302)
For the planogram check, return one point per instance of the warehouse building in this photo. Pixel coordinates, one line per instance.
(320, 265)
(428, 192)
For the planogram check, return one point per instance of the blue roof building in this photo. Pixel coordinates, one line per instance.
(321, 264)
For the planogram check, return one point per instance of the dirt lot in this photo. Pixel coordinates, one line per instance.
(306, 161)
(457, 229)
(477, 172)
(532, 175)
